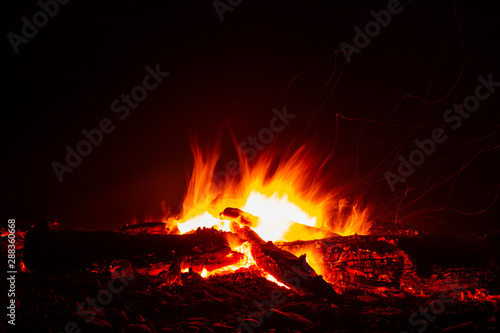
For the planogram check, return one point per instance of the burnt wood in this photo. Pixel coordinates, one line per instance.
(46, 249)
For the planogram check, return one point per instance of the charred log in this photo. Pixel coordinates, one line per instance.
(45, 249)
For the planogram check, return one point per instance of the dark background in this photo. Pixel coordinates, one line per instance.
(232, 74)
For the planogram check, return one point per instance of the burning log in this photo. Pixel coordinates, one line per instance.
(285, 267)
(243, 218)
(46, 249)
(367, 262)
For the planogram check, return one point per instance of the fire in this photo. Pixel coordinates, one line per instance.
(285, 195)
(247, 260)
(289, 200)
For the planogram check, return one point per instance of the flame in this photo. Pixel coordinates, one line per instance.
(204, 220)
(286, 193)
(245, 262)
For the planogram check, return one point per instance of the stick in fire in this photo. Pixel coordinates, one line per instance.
(287, 268)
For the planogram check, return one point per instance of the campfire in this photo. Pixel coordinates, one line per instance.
(315, 250)
(270, 201)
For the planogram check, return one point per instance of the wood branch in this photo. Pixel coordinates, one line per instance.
(287, 268)
(45, 249)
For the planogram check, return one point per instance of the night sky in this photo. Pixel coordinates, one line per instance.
(229, 64)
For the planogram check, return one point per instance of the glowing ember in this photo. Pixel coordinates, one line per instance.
(245, 262)
(22, 267)
(272, 279)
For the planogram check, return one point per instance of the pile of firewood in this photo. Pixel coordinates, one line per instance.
(46, 249)
(368, 283)
(354, 262)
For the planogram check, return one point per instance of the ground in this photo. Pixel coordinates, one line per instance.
(239, 301)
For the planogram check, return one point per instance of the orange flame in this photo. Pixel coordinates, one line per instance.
(285, 193)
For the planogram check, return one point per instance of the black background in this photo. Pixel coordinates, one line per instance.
(232, 73)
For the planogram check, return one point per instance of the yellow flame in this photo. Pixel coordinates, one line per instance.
(286, 193)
